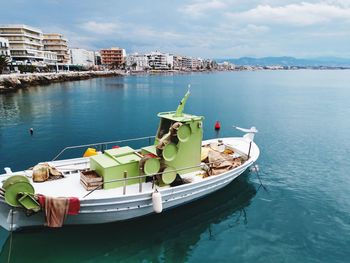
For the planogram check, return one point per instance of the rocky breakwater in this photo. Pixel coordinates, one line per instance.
(13, 82)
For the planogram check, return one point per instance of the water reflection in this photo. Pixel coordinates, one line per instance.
(166, 237)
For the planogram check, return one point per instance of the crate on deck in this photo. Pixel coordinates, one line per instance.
(90, 180)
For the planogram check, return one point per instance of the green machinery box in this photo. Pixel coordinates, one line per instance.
(113, 163)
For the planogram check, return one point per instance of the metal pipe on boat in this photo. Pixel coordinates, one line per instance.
(140, 184)
(250, 147)
(125, 176)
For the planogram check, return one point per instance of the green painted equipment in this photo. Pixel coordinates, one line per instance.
(15, 187)
(170, 152)
(177, 146)
(151, 166)
(169, 175)
(179, 140)
(114, 163)
(184, 133)
(29, 202)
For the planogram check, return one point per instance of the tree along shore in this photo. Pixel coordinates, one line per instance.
(13, 82)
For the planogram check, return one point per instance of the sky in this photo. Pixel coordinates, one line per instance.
(207, 29)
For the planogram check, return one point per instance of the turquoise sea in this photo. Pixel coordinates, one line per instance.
(303, 118)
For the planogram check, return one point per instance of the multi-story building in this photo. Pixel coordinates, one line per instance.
(186, 63)
(209, 64)
(57, 43)
(113, 56)
(177, 62)
(97, 55)
(25, 43)
(137, 62)
(82, 57)
(182, 62)
(4, 47)
(50, 58)
(196, 63)
(158, 60)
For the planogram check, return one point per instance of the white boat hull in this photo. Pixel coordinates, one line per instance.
(124, 207)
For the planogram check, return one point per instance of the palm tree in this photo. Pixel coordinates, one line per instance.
(4, 62)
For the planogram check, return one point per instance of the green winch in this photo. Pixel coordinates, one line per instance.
(20, 193)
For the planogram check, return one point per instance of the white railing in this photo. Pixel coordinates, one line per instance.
(103, 145)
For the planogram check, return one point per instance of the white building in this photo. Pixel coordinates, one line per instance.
(137, 62)
(82, 57)
(50, 58)
(226, 66)
(158, 60)
(196, 63)
(4, 47)
(182, 62)
(26, 43)
(57, 43)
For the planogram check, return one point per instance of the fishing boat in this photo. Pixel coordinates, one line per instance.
(113, 183)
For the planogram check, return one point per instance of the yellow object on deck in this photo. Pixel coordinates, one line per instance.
(204, 153)
(90, 152)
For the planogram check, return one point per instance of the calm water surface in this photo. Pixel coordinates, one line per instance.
(303, 122)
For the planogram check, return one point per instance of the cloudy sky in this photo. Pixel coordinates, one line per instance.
(212, 28)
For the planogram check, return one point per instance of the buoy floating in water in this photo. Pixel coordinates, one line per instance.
(217, 125)
(157, 202)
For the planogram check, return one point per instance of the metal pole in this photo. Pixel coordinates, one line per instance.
(140, 184)
(250, 146)
(125, 176)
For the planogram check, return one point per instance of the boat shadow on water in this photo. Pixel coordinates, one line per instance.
(168, 236)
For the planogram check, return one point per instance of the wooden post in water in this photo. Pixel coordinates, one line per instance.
(125, 176)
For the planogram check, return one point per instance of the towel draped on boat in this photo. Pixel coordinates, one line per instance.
(57, 208)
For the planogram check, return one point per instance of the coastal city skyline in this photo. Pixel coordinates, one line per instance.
(210, 29)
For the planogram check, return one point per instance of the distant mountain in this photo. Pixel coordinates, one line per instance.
(289, 61)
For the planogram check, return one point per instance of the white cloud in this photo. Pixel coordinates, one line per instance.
(102, 28)
(199, 8)
(303, 14)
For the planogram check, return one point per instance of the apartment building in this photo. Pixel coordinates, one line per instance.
(82, 57)
(50, 58)
(113, 56)
(184, 63)
(137, 62)
(4, 47)
(159, 60)
(196, 63)
(57, 43)
(25, 43)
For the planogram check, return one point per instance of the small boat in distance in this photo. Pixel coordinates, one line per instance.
(120, 183)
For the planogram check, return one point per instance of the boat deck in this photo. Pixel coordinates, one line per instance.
(70, 185)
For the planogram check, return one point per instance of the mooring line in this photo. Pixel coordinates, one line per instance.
(11, 231)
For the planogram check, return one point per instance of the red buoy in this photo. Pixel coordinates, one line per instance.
(217, 125)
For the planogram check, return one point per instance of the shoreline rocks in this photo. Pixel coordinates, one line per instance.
(13, 82)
